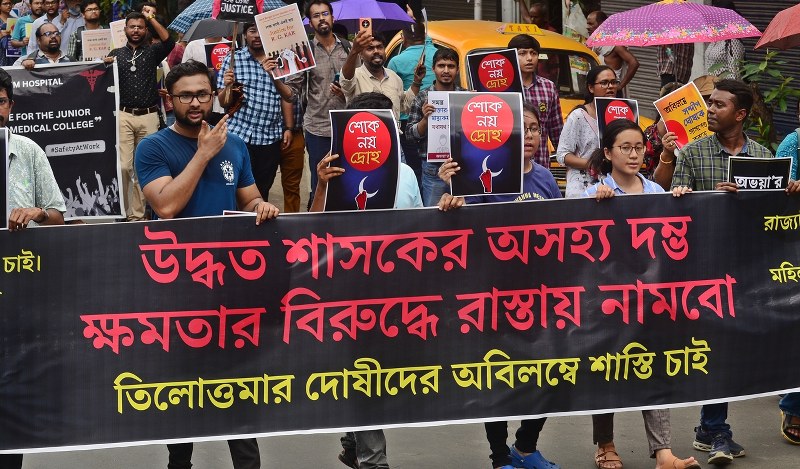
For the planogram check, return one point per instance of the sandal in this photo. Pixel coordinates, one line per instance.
(607, 458)
(683, 466)
(790, 422)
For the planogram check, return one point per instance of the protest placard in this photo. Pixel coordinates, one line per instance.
(684, 112)
(216, 53)
(439, 127)
(368, 146)
(610, 109)
(495, 71)
(118, 37)
(285, 40)
(240, 11)
(486, 142)
(759, 173)
(96, 43)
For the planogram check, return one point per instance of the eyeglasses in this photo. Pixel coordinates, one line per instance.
(51, 33)
(607, 83)
(136, 28)
(4, 102)
(533, 130)
(188, 98)
(323, 14)
(627, 149)
(91, 9)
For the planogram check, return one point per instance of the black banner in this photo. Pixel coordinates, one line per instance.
(70, 111)
(212, 327)
(495, 71)
(486, 142)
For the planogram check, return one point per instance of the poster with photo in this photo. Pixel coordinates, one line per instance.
(610, 109)
(495, 71)
(439, 127)
(368, 146)
(285, 40)
(759, 173)
(486, 142)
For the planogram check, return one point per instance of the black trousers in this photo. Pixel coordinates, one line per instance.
(265, 160)
(527, 437)
(10, 461)
(244, 454)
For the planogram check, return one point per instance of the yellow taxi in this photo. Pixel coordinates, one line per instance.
(562, 60)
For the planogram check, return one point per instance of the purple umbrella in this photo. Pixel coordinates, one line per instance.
(671, 22)
(385, 16)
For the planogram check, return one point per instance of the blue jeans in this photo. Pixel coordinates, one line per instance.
(317, 147)
(432, 186)
(790, 404)
(370, 447)
(713, 417)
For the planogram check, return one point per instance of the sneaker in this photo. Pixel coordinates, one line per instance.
(534, 460)
(348, 458)
(720, 453)
(703, 439)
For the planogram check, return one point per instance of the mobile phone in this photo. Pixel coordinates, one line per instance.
(336, 78)
(365, 25)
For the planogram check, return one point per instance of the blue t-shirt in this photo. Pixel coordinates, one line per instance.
(648, 186)
(789, 149)
(166, 153)
(537, 184)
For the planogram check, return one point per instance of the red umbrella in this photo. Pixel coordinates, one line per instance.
(783, 31)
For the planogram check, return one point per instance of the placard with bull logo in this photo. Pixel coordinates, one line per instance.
(609, 109)
(368, 146)
(495, 72)
(486, 142)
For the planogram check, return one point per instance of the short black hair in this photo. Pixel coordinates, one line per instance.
(7, 84)
(371, 100)
(307, 10)
(135, 15)
(524, 41)
(188, 69)
(146, 4)
(85, 4)
(379, 36)
(742, 93)
(445, 53)
(599, 15)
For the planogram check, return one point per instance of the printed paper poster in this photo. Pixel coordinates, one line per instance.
(119, 39)
(284, 38)
(684, 112)
(439, 127)
(96, 43)
(495, 72)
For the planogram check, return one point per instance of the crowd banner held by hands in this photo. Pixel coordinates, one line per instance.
(323, 322)
(368, 146)
(486, 142)
(439, 126)
(70, 111)
(240, 11)
(611, 109)
(684, 113)
(285, 40)
(495, 71)
(759, 173)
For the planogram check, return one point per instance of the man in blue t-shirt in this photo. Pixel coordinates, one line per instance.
(190, 169)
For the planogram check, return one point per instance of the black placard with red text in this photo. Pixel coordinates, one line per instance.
(610, 109)
(213, 327)
(495, 71)
(486, 142)
(240, 11)
(216, 53)
(368, 146)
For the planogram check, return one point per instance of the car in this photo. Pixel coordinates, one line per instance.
(564, 61)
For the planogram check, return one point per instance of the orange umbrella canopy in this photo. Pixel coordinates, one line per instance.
(783, 31)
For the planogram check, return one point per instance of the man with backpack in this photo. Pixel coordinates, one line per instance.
(319, 87)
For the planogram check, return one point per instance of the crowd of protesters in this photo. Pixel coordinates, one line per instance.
(170, 155)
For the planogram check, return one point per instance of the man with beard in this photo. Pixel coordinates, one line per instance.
(50, 16)
(138, 98)
(259, 122)
(445, 68)
(91, 21)
(320, 85)
(191, 170)
(19, 36)
(373, 76)
(49, 52)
